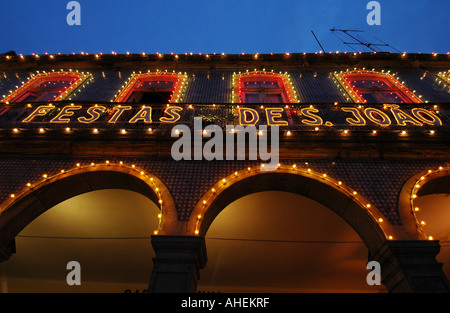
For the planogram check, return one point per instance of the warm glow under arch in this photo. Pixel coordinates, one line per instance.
(365, 219)
(432, 181)
(37, 197)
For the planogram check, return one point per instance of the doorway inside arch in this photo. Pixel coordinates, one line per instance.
(276, 241)
(108, 232)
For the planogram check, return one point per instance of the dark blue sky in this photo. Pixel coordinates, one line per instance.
(230, 26)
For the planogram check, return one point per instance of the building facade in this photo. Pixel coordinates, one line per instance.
(93, 169)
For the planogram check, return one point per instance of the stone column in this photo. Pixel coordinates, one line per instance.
(8, 250)
(177, 263)
(411, 267)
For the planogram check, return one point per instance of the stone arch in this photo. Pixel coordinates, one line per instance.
(362, 216)
(34, 199)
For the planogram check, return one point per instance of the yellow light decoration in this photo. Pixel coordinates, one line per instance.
(240, 175)
(38, 78)
(285, 79)
(179, 88)
(417, 185)
(64, 173)
(349, 90)
(445, 77)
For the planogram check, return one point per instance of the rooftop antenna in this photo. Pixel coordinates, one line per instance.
(359, 40)
(318, 41)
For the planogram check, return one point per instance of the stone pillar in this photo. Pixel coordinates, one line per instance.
(177, 263)
(8, 251)
(411, 267)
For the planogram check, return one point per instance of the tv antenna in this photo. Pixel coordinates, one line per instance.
(318, 41)
(353, 34)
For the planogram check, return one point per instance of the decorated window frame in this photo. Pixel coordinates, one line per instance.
(284, 87)
(43, 85)
(138, 80)
(384, 86)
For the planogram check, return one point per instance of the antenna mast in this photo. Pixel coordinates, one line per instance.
(318, 41)
(360, 41)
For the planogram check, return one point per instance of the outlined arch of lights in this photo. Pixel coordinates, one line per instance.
(180, 84)
(415, 210)
(295, 169)
(152, 181)
(237, 82)
(444, 77)
(40, 77)
(351, 93)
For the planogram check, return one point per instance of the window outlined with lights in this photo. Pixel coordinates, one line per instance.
(365, 86)
(263, 87)
(48, 86)
(153, 88)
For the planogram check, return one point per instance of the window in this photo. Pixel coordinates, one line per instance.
(153, 87)
(47, 87)
(263, 87)
(375, 87)
(445, 77)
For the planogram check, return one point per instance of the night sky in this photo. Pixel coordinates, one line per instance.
(232, 26)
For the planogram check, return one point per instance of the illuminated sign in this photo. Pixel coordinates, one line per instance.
(289, 116)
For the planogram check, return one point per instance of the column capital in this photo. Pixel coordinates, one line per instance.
(411, 266)
(177, 263)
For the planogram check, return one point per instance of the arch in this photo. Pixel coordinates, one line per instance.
(382, 82)
(362, 216)
(428, 182)
(34, 199)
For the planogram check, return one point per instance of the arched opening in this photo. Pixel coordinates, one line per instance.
(296, 197)
(281, 242)
(430, 205)
(106, 231)
(103, 215)
(434, 217)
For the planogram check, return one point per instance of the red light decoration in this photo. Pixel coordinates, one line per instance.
(371, 86)
(48, 86)
(174, 82)
(262, 82)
